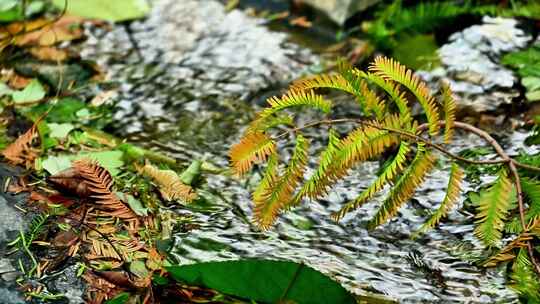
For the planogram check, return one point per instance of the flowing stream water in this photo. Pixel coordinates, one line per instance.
(191, 75)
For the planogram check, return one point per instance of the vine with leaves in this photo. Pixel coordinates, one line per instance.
(385, 93)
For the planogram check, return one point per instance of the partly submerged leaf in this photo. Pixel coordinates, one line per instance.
(119, 10)
(34, 91)
(264, 281)
(192, 172)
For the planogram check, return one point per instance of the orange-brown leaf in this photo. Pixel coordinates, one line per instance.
(100, 184)
(255, 147)
(21, 150)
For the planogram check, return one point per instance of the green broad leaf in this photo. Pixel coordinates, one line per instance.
(159, 280)
(264, 281)
(138, 268)
(115, 11)
(10, 10)
(110, 160)
(82, 113)
(64, 111)
(55, 164)
(34, 91)
(60, 131)
(121, 298)
(133, 203)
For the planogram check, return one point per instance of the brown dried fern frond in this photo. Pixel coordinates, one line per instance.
(21, 150)
(100, 184)
(506, 253)
(171, 187)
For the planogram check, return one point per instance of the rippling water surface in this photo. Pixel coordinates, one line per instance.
(191, 76)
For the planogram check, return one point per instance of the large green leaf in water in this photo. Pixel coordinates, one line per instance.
(111, 10)
(264, 281)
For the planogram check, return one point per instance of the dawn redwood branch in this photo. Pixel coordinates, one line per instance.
(504, 157)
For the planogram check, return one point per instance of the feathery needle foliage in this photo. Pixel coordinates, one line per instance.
(255, 147)
(493, 209)
(451, 197)
(279, 190)
(405, 187)
(382, 129)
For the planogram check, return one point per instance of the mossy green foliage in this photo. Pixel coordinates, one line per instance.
(527, 65)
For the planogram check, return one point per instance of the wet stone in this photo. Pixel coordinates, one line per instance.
(470, 63)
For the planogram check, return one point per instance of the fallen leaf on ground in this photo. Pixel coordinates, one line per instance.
(301, 21)
(41, 32)
(170, 184)
(49, 53)
(34, 91)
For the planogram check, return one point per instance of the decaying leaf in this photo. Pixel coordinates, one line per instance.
(100, 183)
(70, 181)
(41, 32)
(21, 150)
(171, 187)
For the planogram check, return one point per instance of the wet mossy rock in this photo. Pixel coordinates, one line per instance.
(264, 281)
(340, 10)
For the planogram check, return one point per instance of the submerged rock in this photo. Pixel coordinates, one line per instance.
(470, 62)
(340, 10)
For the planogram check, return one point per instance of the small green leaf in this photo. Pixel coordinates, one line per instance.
(133, 203)
(60, 131)
(191, 173)
(121, 298)
(138, 268)
(34, 91)
(5, 89)
(159, 280)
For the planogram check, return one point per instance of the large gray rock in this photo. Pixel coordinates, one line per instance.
(340, 10)
(470, 63)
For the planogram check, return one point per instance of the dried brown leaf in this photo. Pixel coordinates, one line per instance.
(171, 187)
